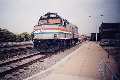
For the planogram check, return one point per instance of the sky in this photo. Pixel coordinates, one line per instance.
(21, 15)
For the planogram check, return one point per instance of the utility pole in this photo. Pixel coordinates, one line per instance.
(96, 34)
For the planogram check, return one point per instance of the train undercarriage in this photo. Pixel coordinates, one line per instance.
(54, 45)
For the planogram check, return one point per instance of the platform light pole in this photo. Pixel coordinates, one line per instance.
(96, 36)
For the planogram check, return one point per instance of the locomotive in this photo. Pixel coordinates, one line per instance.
(53, 33)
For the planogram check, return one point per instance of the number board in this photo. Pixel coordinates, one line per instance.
(53, 21)
(39, 28)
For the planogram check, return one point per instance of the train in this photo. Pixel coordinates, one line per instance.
(52, 33)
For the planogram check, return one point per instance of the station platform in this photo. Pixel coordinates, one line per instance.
(85, 63)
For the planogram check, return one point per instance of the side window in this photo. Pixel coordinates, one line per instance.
(65, 35)
(64, 24)
(55, 35)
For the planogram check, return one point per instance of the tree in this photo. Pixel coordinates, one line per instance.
(25, 36)
(6, 36)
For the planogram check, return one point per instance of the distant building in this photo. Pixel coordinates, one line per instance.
(110, 34)
(93, 37)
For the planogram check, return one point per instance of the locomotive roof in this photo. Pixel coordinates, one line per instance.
(50, 15)
(55, 15)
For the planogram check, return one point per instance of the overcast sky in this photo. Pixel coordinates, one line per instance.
(21, 15)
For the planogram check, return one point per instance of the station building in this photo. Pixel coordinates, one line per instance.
(110, 34)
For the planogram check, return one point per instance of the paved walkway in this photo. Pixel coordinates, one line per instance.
(83, 64)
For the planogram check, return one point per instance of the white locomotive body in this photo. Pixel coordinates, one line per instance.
(52, 30)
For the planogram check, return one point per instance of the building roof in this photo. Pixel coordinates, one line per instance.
(104, 25)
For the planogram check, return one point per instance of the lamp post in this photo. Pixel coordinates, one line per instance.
(96, 36)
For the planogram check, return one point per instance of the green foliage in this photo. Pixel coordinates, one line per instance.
(24, 36)
(7, 36)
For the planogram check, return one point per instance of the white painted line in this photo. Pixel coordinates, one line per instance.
(52, 67)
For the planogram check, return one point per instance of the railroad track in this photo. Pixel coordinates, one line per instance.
(16, 47)
(13, 65)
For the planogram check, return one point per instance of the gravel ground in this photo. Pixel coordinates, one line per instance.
(38, 66)
(8, 56)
